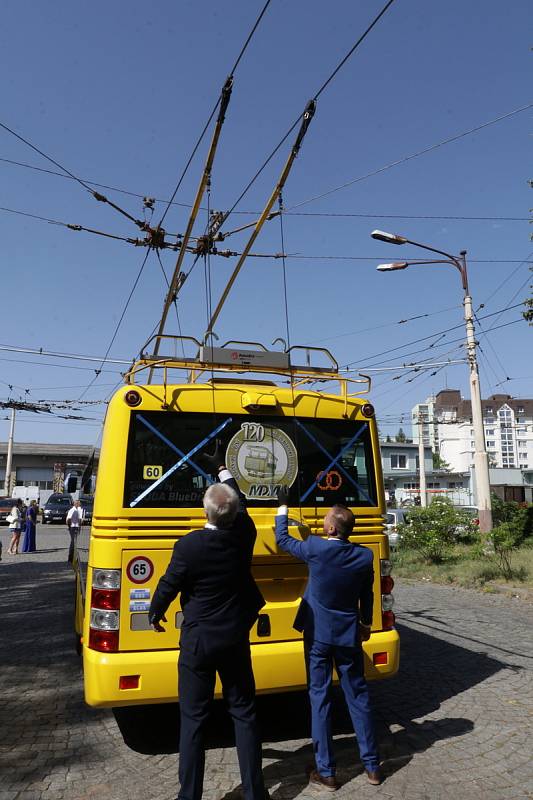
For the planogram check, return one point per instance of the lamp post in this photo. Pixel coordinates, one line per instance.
(481, 461)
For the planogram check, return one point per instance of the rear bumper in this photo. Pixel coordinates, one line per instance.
(278, 667)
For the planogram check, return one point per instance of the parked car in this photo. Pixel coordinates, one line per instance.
(462, 531)
(56, 508)
(393, 518)
(6, 504)
(87, 504)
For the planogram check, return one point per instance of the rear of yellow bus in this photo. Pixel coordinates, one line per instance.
(149, 494)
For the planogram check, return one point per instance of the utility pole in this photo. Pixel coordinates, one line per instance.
(481, 459)
(9, 458)
(421, 464)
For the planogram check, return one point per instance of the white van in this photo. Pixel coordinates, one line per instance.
(393, 518)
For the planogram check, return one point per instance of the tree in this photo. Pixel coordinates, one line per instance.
(439, 463)
(400, 436)
(388, 439)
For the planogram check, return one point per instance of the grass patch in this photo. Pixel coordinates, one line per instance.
(465, 567)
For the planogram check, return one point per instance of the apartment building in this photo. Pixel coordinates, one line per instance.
(507, 422)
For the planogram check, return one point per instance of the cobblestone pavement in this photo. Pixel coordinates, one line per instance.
(455, 723)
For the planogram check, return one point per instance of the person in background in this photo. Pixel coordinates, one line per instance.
(28, 544)
(74, 520)
(220, 603)
(335, 616)
(15, 522)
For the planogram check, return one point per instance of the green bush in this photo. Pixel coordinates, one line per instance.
(519, 516)
(433, 531)
(506, 539)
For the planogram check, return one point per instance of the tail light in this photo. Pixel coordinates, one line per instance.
(388, 620)
(387, 598)
(104, 626)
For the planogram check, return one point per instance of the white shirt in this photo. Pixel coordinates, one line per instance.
(75, 516)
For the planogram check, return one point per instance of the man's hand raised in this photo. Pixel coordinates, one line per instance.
(283, 496)
(212, 463)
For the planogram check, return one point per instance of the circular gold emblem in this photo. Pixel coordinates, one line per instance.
(262, 459)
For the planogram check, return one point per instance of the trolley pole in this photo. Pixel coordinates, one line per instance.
(9, 458)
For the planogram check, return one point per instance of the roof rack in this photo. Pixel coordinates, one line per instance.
(245, 357)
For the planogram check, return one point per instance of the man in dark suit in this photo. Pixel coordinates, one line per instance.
(220, 603)
(335, 616)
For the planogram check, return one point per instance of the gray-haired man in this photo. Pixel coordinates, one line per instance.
(220, 603)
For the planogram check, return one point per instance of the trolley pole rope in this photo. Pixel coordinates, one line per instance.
(306, 120)
(174, 283)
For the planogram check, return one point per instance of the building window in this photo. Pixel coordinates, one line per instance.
(522, 455)
(411, 486)
(523, 466)
(491, 444)
(489, 410)
(490, 432)
(398, 461)
(455, 485)
(521, 409)
(522, 443)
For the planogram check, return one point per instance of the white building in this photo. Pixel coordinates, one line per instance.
(508, 427)
(423, 417)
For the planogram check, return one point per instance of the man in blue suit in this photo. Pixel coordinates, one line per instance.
(335, 616)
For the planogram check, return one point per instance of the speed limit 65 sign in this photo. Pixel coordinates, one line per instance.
(140, 569)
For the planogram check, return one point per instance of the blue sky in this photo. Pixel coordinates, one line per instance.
(118, 93)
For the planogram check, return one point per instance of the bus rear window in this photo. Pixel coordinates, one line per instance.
(323, 461)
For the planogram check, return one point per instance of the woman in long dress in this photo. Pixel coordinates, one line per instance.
(28, 545)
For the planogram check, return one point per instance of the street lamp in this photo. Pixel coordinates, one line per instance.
(481, 461)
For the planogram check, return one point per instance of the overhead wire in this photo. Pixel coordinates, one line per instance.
(378, 327)
(97, 196)
(385, 258)
(425, 338)
(213, 112)
(520, 288)
(347, 214)
(314, 99)
(414, 155)
(503, 369)
(299, 256)
(117, 326)
(507, 278)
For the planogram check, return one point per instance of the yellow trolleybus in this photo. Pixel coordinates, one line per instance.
(323, 446)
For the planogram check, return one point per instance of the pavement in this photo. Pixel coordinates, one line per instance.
(455, 723)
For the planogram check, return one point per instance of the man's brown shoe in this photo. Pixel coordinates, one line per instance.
(374, 776)
(326, 782)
